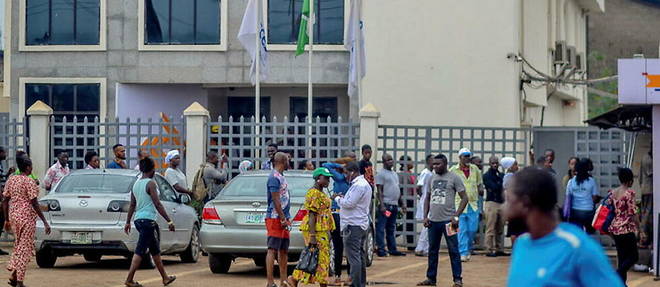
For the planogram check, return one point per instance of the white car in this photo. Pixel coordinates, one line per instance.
(87, 211)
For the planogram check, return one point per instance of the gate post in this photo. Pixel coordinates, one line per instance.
(369, 116)
(39, 137)
(195, 119)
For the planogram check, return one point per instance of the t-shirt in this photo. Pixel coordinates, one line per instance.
(582, 193)
(114, 164)
(443, 189)
(565, 257)
(367, 169)
(277, 183)
(176, 176)
(421, 182)
(389, 179)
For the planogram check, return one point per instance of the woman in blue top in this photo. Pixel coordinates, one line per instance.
(584, 193)
(145, 203)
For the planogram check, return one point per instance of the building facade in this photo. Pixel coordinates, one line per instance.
(441, 64)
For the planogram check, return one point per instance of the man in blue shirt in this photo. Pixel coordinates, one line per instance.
(278, 218)
(552, 253)
(120, 157)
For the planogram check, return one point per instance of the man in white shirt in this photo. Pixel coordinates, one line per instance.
(354, 220)
(174, 175)
(422, 248)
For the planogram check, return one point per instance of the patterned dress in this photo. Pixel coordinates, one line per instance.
(625, 212)
(20, 190)
(320, 203)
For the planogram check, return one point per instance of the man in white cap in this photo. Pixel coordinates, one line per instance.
(469, 219)
(174, 175)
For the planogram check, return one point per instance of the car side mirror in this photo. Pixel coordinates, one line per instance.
(184, 199)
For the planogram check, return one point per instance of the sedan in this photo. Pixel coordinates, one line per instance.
(87, 211)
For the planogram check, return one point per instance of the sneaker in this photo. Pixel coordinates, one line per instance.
(381, 254)
(397, 253)
(502, 253)
(491, 254)
(464, 258)
(458, 284)
(426, 282)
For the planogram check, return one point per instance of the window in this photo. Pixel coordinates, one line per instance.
(284, 21)
(166, 191)
(244, 106)
(66, 99)
(182, 22)
(62, 22)
(322, 107)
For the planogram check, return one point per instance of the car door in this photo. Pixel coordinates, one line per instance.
(168, 198)
(182, 215)
(184, 218)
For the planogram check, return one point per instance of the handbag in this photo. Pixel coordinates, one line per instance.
(604, 215)
(309, 260)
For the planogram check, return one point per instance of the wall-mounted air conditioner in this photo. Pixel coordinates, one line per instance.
(579, 62)
(571, 56)
(560, 53)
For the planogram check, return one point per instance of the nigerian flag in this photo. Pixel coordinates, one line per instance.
(303, 36)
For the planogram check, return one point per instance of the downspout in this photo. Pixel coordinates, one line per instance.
(521, 51)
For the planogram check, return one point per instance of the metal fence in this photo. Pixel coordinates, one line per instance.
(77, 136)
(12, 137)
(238, 139)
(409, 145)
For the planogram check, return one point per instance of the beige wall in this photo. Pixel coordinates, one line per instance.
(4, 101)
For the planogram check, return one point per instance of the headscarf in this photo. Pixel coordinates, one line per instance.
(244, 166)
(170, 155)
(507, 162)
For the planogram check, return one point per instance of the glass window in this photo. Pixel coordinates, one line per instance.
(87, 98)
(323, 108)
(166, 191)
(66, 99)
(95, 183)
(284, 21)
(62, 22)
(182, 22)
(244, 106)
(255, 186)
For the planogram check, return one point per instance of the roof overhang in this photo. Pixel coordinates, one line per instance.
(632, 118)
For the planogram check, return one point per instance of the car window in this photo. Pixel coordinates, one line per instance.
(256, 186)
(166, 191)
(95, 183)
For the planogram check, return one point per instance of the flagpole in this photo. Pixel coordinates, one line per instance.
(310, 33)
(358, 49)
(257, 87)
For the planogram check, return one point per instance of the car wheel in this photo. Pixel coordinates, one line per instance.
(92, 257)
(191, 254)
(46, 258)
(219, 263)
(369, 248)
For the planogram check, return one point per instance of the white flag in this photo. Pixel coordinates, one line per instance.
(247, 34)
(355, 47)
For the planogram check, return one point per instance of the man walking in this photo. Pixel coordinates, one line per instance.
(493, 182)
(174, 175)
(354, 216)
(120, 157)
(389, 198)
(278, 219)
(442, 219)
(57, 171)
(271, 150)
(422, 248)
(471, 177)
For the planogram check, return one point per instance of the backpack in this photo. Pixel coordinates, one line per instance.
(199, 188)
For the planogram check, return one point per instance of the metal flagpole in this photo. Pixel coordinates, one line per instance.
(310, 33)
(257, 87)
(357, 49)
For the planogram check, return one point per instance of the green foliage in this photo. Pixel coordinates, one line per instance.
(599, 104)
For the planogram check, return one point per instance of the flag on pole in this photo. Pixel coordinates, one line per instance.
(247, 34)
(355, 45)
(303, 36)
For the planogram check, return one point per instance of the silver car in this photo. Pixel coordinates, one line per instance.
(87, 211)
(233, 224)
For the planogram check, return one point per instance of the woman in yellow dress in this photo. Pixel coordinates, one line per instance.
(316, 228)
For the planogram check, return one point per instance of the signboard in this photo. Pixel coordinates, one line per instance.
(639, 81)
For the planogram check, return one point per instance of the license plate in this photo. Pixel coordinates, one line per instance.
(255, 217)
(81, 238)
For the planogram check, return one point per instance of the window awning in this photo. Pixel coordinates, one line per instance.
(632, 118)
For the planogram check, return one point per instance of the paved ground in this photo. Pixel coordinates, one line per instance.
(401, 271)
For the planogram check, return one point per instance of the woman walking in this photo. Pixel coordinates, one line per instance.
(20, 205)
(625, 223)
(316, 227)
(582, 191)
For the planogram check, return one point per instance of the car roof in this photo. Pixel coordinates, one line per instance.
(112, 171)
(259, 173)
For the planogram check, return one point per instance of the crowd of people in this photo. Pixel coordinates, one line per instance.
(547, 216)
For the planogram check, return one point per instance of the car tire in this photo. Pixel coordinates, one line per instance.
(46, 258)
(191, 254)
(92, 257)
(259, 261)
(219, 263)
(369, 248)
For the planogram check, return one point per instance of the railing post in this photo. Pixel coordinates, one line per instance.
(195, 117)
(369, 116)
(39, 137)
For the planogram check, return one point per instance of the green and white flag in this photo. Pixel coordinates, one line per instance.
(303, 36)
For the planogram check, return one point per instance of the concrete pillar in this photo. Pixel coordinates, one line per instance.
(39, 114)
(369, 116)
(196, 116)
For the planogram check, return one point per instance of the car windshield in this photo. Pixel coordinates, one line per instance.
(256, 186)
(95, 183)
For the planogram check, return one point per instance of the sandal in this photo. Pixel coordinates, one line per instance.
(133, 284)
(426, 282)
(169, 281)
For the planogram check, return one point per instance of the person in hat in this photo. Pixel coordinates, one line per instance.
(316, 228)
(174, 175)
(469, 219)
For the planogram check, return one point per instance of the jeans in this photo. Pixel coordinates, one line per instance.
(338, 244)
(626, 253)
(385, 229)
(354, 237)
(494, 226)
(436, 231)
(582, 219)
(468, 225)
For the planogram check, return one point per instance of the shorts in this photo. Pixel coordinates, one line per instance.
(149, 238)
(275, 229)
(277, 243)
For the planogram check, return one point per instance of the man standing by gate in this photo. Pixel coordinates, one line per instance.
(469, 219)
(493, 182)
(389, 195)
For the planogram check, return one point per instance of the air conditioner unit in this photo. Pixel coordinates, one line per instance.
(579, 62)
(571, 56)
(560, 53)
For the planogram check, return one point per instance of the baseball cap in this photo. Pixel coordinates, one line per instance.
(321, 171)
(464, 152)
